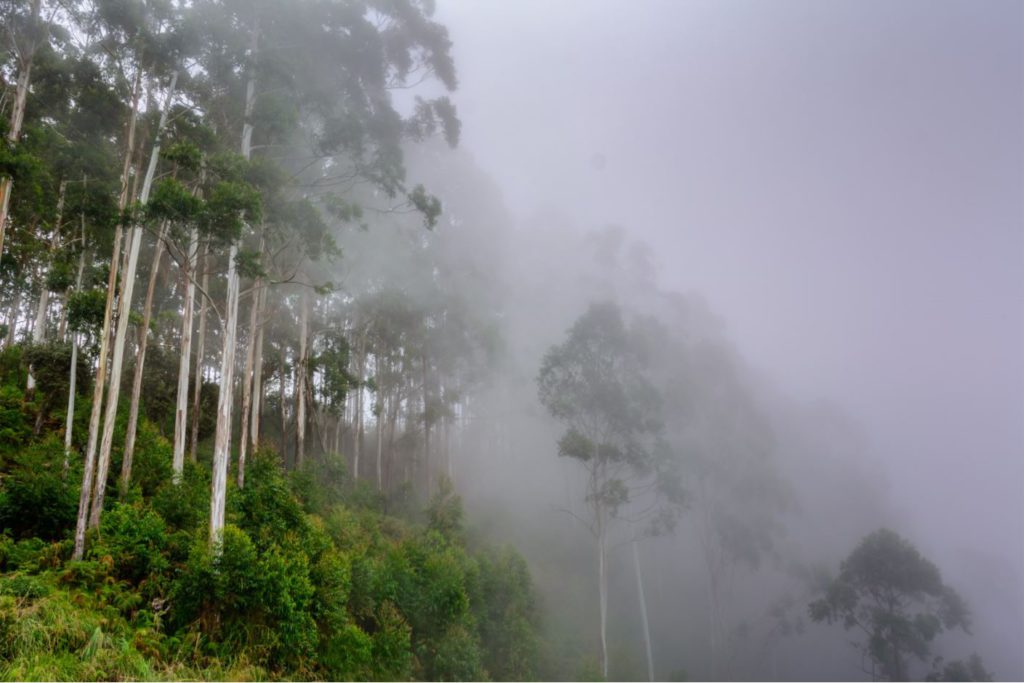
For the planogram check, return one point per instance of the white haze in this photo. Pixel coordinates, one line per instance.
(841, 182)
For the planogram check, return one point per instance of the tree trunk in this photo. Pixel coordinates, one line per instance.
(257, 374)
(200, 349)
(222, 437)
(72, 377)
(12, 317)
(643, 611)
(101, 370)
(300, 383)
(17, 119)
(380, 433)
(140, 363)
(184, 360)
(426, 426)
(357, 446)
(602, 578)
(284, 414)
(247, 376)
(123, 315)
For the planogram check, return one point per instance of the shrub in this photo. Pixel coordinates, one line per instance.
(38, 499)
(251, 603)
(185, 505)
(134, 539)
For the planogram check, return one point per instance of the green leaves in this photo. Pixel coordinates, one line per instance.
(896, 597)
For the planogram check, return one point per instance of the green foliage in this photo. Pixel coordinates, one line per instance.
(507, 615)
(444, 513)
(958, 670)
(85, 310)
(37, 498)
(15, 428)
(320, 485)
(895, 597)
(246, 600)
(134, 539)
(285, 593)
(185, 505)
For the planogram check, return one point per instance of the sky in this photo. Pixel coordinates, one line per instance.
(842, 181)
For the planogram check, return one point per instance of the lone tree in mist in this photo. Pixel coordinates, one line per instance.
(595, 383)
(896, 597)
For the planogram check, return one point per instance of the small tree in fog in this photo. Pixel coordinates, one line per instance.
(896, 598)
(594, 382)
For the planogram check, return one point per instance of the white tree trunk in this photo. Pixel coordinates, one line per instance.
(140, 364)
(16, 121)
(200, 350)
(247, 388)
(257, 375)
(357, 446)
(222, 438)
(123, 315)
(225, 397)
(643, 611)
(72, 376)
(380, 436)
(184, 360)
(300, 384)
(602, 578)
(101, 371)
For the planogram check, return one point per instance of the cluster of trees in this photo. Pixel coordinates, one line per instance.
(179, 331)
(213, 153)
(674, 438)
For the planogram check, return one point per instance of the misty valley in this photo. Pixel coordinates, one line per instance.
(511, 340)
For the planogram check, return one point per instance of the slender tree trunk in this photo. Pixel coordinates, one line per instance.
(200, 349)
(301, 379)
(357, 448)
(222, 438)
(643, 611)
(184, 360)
(602, 578)
(426, 425)
(73, 373)
(140, 364)
(284, 414)
(17, 119)
(124, 311)
(12, 317)
(380, 434)
(101, 370)
(257, 373)
(247, 377)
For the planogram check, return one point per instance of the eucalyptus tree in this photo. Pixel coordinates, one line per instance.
(24, 33)
(595, 382)
(896, 599)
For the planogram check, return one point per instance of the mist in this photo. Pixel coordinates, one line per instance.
(840, 184)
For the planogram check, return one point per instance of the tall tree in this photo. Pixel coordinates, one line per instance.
(896, 598)
(595, 384)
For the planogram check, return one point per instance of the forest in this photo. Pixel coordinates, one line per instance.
(289, 391)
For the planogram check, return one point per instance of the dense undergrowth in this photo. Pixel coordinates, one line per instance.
(312, 579)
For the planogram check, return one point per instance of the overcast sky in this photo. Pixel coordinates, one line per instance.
(841, 180)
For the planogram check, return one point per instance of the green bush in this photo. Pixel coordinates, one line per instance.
(38, 499)
(15, 427)
(185, 505)
(246, 601)
(134, 539)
